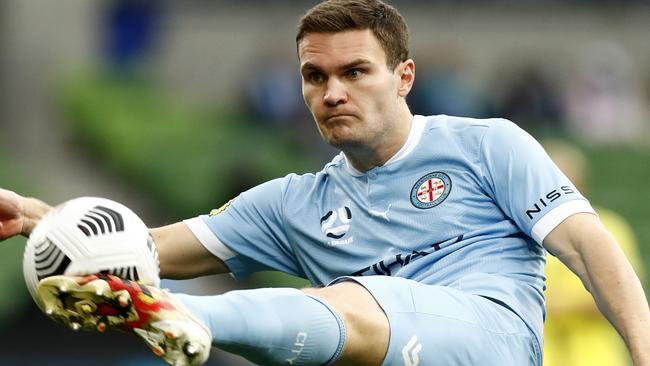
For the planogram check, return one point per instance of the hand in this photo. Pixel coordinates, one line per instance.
(18, 214)
(11, 216)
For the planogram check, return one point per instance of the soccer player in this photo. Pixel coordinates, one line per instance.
(424, 238)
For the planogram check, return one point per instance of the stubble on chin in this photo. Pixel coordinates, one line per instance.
(346, 143)
(342, 136)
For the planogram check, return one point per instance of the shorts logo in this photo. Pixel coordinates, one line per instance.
(411, 352)
(336, 223)
(430, 190)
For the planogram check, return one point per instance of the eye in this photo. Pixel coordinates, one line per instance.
(354, 73)
(315, 77)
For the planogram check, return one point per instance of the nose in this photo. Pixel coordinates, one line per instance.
(335, 93)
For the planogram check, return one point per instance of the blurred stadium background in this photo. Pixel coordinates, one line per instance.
(175, 107)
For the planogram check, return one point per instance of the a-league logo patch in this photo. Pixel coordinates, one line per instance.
(219, 210)
(335, 223)
(430, 190)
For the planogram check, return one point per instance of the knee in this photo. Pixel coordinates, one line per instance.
(366, 324)
(354, 304)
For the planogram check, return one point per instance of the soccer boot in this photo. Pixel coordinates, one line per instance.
(100, 302)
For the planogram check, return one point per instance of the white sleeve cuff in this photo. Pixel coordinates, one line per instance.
(552, 219)
(210, 241)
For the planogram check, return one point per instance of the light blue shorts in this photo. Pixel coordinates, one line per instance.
(437, 325)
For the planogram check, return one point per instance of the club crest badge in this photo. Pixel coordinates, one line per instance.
(430, 190)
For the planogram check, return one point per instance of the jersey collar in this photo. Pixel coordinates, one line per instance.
(417, 126)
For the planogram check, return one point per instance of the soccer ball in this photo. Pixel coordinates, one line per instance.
(90, 235)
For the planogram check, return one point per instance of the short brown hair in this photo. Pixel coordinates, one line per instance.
(385, 22)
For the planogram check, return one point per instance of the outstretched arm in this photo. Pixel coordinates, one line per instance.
(587, 248)
(182, 255)
(18, 214)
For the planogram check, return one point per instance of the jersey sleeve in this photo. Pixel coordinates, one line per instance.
(248, 232)
(525, 183)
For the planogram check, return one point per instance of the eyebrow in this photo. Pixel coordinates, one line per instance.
(355, 63)
(358, 62)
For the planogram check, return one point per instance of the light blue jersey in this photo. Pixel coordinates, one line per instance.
(466, 203)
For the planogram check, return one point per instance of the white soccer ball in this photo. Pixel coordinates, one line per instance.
(90, 235)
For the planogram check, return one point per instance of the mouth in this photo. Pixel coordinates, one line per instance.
(338, 116)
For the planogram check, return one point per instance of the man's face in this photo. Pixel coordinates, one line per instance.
(348, 87)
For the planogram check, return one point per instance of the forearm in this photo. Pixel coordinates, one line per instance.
(619, 294)
(589, 250)
(181, 254)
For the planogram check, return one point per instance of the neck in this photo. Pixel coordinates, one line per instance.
(366, 157)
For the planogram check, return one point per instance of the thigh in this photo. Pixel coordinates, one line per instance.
(437, 325)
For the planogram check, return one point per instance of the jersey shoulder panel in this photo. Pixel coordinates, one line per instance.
(462, 135)
(299, 185)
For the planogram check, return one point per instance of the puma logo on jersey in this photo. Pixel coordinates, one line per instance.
(378, 213)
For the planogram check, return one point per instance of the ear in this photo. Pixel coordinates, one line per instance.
(406, 72)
